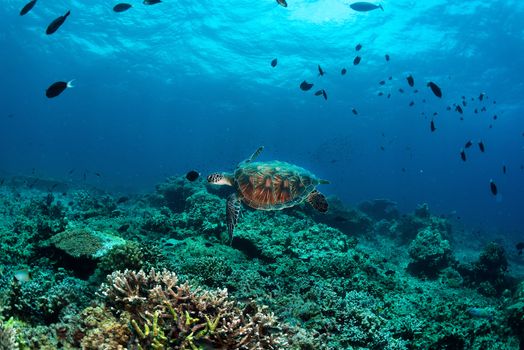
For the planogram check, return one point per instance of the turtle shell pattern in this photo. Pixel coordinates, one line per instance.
(273, 185)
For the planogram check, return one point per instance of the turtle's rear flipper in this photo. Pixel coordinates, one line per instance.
(318, 201)
(232, 214)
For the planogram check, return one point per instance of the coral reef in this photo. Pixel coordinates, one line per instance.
(166, 313)
(355, 278)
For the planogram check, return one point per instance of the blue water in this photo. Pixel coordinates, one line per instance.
(163, 89)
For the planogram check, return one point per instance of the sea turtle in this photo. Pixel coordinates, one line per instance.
(270, 185)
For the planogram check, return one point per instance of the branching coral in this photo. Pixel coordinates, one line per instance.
(165, 313)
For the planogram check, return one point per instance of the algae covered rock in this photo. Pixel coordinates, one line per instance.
(85, 242)
(430, 253)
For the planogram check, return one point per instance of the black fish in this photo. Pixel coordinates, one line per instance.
(318, 93)
(459, 109)
(448, 108)
(386, 57)
(151, 2)
(462, 155)
(481, 146)
(476, 111)
(436, 90)
(274, 62)
(27, 7)
(57, 88)
(464, 103)
(357, 60)
(71, 171)
(481, 96)
(324, 94)
(483, 109)
(435, 113)
(365, 6)
(504, 169)
(495, 117)
(412, 103)
(415, 91)
(380, 93)
(53, 27)
(382, 82)
(282, 3)
(468, 144)
(305, 86)
(493, 187)
(98, 174)
(121, 7)
(192, 175)
(432, 126)
(358, 47)
(411, 81)
(401, 90)
(390, 78)
(389, 95)
(355, 112)
(343, 71)
(320, 71)
(520, 246)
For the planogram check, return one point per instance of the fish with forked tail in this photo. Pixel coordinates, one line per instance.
(363, 6)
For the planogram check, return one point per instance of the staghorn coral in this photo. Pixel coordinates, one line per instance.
(165, 313)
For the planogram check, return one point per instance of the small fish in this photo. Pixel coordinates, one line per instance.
(318, 93)
(356, 61)
(476, 111)
(468, 144)
(274, 62)
(382, 82)
(354, 110)
(192, 175)
(390, 78)
(459, 109)
(389, 95)
(121, 7)
(493, 187)
(282, 3)
(27, 7)
(463, 155)
(481, 313)
(380, 93)
(411, 81)
(324, 94)
(504, 169)
(151, 2)
(448, 108)
(320, 71)
(432, 126)
(343, 71)
(401, 90)
(365, 6)
(481, 146)
(435, 88)
(57, 88)
(22, 275)
(483, 109)
(53, 27)
(386, 56)
(481, 96)
(305, 86)
(464, 103)
(412, 103)
(122, 199)
(53, 187)
(382, 148)
(520, 247)
(358, 47)
(495, 117)
(415, 91)
(98, 174)
(2, 182)
(435, 113)
(71, 171)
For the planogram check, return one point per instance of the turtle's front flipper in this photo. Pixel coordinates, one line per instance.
(256, 154)
(232, 214)
(318, 201)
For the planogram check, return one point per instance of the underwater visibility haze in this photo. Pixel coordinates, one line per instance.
(112, 115)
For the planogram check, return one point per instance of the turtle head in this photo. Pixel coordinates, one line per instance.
(220, 179)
